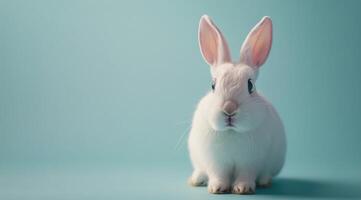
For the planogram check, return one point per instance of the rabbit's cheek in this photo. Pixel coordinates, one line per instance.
(217, 120)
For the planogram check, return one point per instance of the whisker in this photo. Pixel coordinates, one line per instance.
(181, 138)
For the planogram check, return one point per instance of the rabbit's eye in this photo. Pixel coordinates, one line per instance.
(213, 85)
(251, 87)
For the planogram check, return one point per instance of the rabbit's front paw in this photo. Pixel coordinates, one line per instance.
(218, 187)
(198, 179)
(243, 188)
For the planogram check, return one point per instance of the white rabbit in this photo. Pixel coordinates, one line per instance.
(237, 139)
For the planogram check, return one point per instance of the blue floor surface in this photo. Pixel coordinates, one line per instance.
(165, 181)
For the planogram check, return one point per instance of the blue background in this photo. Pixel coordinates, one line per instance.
(96, 97)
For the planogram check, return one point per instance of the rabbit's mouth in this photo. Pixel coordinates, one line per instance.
(229, 121)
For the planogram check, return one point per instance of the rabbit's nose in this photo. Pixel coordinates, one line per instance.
(230, 107)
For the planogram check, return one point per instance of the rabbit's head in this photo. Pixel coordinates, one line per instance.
(233, 84)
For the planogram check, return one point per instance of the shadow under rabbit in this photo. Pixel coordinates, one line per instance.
(312, 188)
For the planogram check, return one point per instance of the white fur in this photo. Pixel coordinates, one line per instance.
(235, 158)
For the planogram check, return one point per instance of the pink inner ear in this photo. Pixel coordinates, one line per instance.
(208, 42)
(257, 46)
(213, 46)
(262, 45)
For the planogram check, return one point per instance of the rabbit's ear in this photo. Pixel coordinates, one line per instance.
(256, 47)
(213, 46)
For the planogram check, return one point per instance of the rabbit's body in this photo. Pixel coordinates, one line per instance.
(255, 153)
(237, 139)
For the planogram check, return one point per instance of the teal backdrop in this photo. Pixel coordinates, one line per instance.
(96, 97)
